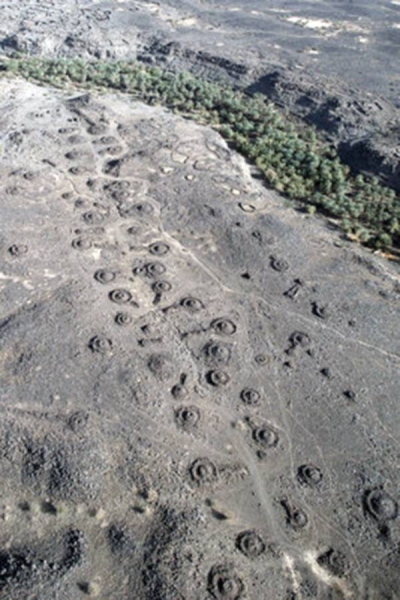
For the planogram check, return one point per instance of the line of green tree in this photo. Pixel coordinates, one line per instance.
(292, 159)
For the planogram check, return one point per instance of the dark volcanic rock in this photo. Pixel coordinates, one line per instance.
(195, 446)
(365, 130)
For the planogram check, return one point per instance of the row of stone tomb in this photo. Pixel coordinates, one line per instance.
(154, 270)
(376, 502)
(223, 582)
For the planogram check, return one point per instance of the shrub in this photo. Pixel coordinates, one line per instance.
(292, 160)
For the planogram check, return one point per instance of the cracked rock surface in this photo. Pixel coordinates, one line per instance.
(198, 384)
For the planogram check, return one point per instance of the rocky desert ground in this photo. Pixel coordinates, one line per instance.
(198, 380)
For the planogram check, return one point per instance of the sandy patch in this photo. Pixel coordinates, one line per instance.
(187, 22)
(317, 24)
(325, 26)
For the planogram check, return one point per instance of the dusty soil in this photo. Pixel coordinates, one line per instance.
(198, 383)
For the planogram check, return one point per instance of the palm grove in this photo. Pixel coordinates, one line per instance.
(292, 159)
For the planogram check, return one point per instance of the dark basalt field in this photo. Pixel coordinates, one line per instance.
(198, 383)
(333, 63)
